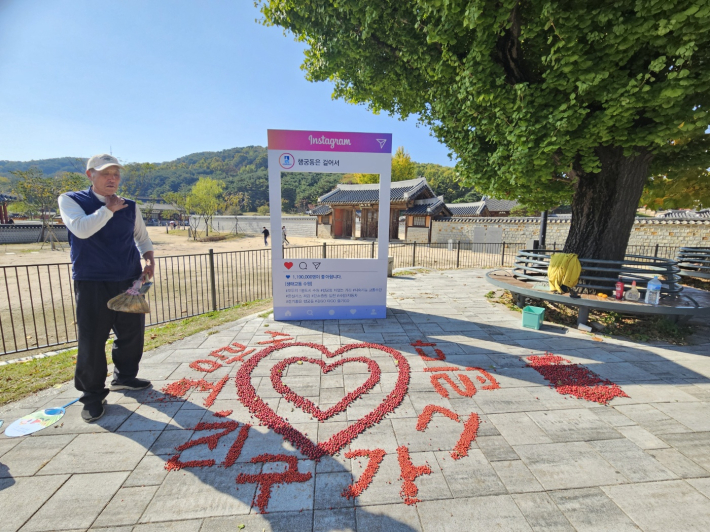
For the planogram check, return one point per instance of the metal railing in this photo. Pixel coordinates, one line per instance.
(37, 301)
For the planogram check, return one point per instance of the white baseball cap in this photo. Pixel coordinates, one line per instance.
(104, 160)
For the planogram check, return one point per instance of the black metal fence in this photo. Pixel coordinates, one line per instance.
(37, 301)
(649, 250)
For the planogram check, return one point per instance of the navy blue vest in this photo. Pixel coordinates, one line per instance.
(110, 254)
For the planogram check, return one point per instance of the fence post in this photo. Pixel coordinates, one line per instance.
(458, 253)
(655, 254)
(324, 253)
(213, 291)
(502, 255)
(414, 254)
(372, 250)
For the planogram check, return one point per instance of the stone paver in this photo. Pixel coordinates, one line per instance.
(539, 461)
(21, 498)
(656, 506)
(590, 510)
(77, 503)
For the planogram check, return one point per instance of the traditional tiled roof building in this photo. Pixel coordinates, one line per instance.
(351, 211)
(465, 210)
(4, 200)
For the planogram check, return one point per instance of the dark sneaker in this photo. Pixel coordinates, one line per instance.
(130, 384)
(93, 411)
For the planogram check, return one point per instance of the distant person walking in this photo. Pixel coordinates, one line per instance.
(265, 232)
(283, 234)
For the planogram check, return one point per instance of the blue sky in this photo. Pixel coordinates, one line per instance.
(155, 80)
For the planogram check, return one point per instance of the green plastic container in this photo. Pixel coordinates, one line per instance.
(533, 317)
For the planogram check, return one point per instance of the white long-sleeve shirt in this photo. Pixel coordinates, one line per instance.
(84, 225)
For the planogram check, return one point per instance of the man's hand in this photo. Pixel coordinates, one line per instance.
(149, 269)
(115, 203)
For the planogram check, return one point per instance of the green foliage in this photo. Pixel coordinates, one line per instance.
(523, 93)
(135, 179)
(688, 188)
(39, 193)
(246, 183)
(523, 210)
(445, 181)
(403, 168)
(205, 199)
(263, 210)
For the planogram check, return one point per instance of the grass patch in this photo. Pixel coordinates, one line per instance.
(505, 299)
(24, 378)
(637, 328)
(404, 272)
(696, 282)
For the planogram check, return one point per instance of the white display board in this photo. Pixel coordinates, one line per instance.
(314, 288)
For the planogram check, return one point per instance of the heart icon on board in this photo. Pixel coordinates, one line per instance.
(288, 277)
(288, 265)
(353, 311)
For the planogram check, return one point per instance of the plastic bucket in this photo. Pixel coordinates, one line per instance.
(533, 317)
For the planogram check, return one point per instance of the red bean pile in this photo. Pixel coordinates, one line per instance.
(574, 379)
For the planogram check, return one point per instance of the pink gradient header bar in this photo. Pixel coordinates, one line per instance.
(330, 141)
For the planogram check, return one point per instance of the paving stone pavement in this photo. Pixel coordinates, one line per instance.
(540, 460)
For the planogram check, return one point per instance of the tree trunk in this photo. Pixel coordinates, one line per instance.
(604, 205)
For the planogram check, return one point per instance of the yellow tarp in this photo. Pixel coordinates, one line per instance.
(564, 269)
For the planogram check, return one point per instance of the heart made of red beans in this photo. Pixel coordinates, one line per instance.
(259, 408)
(306, 404)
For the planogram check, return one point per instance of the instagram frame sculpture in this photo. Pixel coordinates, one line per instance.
(322, 288)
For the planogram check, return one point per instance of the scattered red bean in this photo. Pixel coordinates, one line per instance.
(574, 379)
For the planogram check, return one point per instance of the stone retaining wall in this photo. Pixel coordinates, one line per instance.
(295, 225)
(646, 231)
(418, 234)
(28, 233)
(324, 231)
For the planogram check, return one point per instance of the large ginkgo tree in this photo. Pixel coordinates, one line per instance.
(544, 101)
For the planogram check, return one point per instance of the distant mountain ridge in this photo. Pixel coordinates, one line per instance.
(241, 169)
(48, 166)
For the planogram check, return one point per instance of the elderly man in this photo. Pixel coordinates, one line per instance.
(107, 237)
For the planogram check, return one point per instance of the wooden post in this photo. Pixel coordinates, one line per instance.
(414, 254)
(324, 253)
(372, 250)
(458, 253)
(502, 255)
